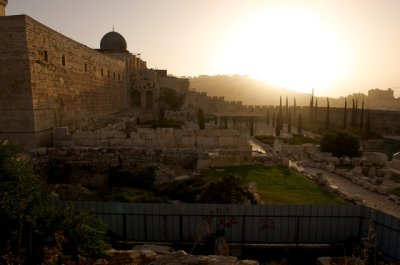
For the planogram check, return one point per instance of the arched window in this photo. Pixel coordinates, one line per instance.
(136, 98)
(149, 100)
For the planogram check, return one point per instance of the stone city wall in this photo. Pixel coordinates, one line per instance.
(71, 81)
(16, 114)
(53, 80)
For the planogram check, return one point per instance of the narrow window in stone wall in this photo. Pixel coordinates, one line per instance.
(108, 73)
(45, 56)
(63, 60)
(114, 75)
(85, 67)
(102, 72)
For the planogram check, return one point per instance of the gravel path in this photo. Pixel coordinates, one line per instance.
(369, 198)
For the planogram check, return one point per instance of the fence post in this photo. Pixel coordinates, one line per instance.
(297, 237)
(243, 228)
(180, 229)
(145, 226)
(124, 228)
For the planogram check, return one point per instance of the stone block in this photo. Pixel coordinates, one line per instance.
(394, 164)
(382, 190)
(375, 158)
(384, 173)
(357, 170)
(188, 141)
(330, 168)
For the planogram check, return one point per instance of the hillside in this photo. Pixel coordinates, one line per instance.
(243, 88)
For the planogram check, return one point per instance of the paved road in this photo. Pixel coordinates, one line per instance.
(369, 198)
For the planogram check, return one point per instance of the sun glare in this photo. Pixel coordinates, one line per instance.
(285, 47)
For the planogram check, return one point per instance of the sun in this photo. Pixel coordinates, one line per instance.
(286, 47)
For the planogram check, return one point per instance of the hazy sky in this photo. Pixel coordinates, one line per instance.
(336, 46)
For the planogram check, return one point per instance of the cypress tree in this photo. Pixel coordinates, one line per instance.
(280, 114)
(345, 114)
(362, 115)
(287, 109)
(352, 115)
(311, 106)
(327, 114)
(273, 119)
(200, 119)
(278, 126)
(294, 108)
(251, 127)
(368, 123)
(356, 114)
(316, 109)
(300, 125)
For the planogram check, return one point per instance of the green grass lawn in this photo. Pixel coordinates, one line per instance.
(278, 185)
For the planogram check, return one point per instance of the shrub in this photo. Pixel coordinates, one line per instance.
(84, 233)
(27, 219)
(226, 190)
(143, 179)
(341, 144)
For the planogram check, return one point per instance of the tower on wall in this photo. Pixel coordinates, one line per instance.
(3, 4)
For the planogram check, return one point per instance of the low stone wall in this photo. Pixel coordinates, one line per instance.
(153, 138)
(90, 166)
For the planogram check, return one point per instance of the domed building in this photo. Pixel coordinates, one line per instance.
(113, 41)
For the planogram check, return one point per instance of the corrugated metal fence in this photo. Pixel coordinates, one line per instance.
(247, 224)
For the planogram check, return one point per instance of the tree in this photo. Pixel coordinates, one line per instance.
(294, 107)
(289, 126)
(200, 119)
(25, 208)
(362, 115)
(170, 99)
(278, 126)
(327, 114)
(316, 110)
(21, 193)
(300, 125)
(280, 114)
(312, 105)
(226, 190)
(287, 110)
(273, 119)
(353, 114)
(251, 126)
(368, 123)
(356, 114)
(345, 114)
(341, 144)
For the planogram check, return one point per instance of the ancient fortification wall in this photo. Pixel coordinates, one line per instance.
(16, 114)
(71, 81)
(54, 81)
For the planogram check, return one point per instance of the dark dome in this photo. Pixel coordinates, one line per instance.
(113, 41)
